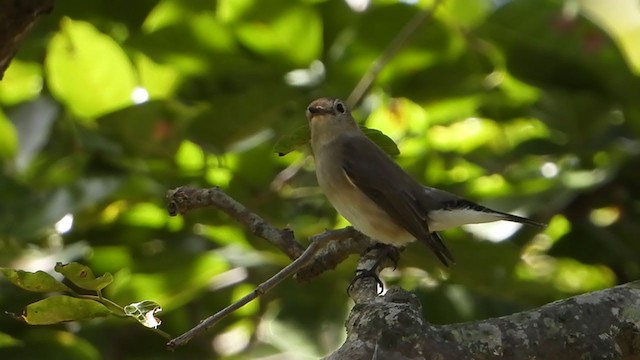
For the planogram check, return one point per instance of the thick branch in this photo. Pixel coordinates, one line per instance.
(599, 325)
(16, 18)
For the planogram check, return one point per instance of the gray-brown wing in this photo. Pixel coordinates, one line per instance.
(384, 182)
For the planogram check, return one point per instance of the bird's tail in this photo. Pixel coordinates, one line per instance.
(520, 219)
(439, 249)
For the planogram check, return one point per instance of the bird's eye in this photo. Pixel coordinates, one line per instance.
(340, 107)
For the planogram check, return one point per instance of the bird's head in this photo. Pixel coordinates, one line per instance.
(328, 118)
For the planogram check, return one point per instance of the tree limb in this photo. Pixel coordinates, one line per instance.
(16, 18)
(598, 325)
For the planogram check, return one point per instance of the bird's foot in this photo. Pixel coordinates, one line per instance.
(385, 252)
(390, 252)
(367, 273)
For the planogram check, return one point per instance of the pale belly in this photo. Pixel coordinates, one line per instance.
(361, 211)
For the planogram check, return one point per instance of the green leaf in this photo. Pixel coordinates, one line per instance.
(83, 277)
(299, 137)
(292, 141)
(7, 340)
(22, 81)
(8, 138)
(382, 140)
(60, 308)
(38, 281)
(88, 71)
(281, 30)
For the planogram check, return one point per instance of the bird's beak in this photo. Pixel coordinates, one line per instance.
(315, 111)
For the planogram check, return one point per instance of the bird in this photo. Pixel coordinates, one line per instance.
(382, 201)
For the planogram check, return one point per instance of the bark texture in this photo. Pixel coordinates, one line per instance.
(16, 18)
(599, 325)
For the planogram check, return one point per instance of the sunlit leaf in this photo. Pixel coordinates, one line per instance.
(88, 70)
(83, 277)
(21, 82)
(465, 136)
(60, 308)
(38, 281)
(158, 79)
(283, 30)
(620, 19)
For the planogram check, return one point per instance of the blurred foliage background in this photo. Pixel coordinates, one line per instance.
(527, 106)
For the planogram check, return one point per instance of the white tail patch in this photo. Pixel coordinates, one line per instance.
(446, 219)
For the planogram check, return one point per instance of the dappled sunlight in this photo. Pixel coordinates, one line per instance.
(65, 224)
(311, 76)
(566, 275)
(494, 232)
(171, 289)
(465, 136)
(139, 95)
(549, 170)
(234, 339)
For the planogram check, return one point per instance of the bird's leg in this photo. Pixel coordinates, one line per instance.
(385, 252)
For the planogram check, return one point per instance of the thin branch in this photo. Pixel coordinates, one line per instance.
(184, 199)
(334, 254)
(394, 47)
(317, 242)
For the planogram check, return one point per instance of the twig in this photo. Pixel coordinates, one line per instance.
(287, 174)
(317, 242)
(396, 44)
(184, 199)
(333, 254)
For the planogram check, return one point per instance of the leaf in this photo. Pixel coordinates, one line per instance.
(144, 312)
(60, 308)
(83, 277)
(282, 30)
(38, 281)
(8, 138)
(88, 71)
(382, 140)
(292, 141)
(21, 82)
(7, 340)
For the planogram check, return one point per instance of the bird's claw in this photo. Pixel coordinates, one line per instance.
(367, 273)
